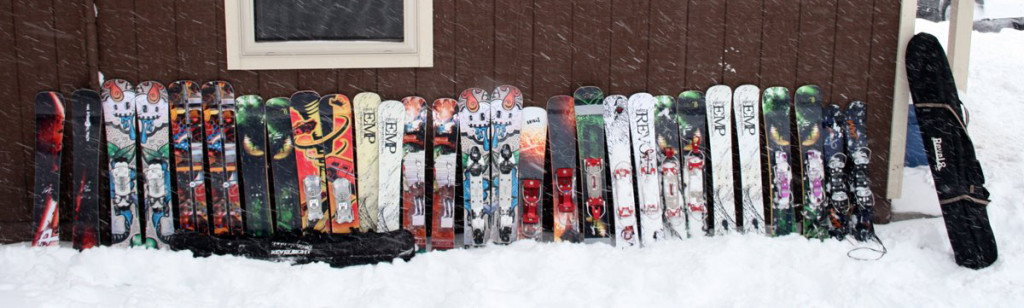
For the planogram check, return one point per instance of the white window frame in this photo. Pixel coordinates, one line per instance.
(244, 53)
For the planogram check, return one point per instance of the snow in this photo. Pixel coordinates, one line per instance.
(735, 270)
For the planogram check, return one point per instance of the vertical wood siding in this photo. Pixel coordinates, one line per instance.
(545, 47)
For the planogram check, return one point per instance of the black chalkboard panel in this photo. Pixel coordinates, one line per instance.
(328, 20)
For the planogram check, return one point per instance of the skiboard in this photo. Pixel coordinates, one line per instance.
(49, 108)
(85, 124)
(616, 125)
(252, 130)
(219, 114)
(308, 136)
(152, 112)
(506, 121)
(119, 123)
(365, 108)
(666, 126)
(692, 132)
(807, 106)
(775, 110)
(591, 140)
(860, 181)
(391, 121)
(284, 175)
(719, 105)
(837, 199)
(474, 131)
(445, 143)
(414, 168)
(562, 142)
(186, 105)
(340, 166)
(532, 145)
(746, 108)
(645, 158)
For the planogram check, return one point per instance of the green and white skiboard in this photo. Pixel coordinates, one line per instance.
(591, 140)
(807, 104)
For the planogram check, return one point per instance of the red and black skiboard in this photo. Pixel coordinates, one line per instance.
(446, 140)
(252, 132)
(339, 157)
(309, 160)
(85, 125)
(187, 143)
(562, 140)
(49, 136)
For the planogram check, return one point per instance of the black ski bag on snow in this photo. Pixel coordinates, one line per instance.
(338, 250)
(959, 181)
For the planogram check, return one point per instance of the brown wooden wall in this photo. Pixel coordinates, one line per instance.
(545, 47)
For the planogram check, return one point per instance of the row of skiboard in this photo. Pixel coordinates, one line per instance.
(207, 151)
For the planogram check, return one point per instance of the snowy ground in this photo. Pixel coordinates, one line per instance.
(723, 271)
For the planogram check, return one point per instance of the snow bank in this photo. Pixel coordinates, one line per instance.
(733, 270)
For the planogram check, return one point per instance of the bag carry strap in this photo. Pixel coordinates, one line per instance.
(964, 197)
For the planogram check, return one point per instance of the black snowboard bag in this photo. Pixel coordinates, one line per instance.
(959, 181)
(338, 250)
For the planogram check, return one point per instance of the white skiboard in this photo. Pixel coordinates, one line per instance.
(365, 113)
(616, 123)
(645, 156)
(747, 105)
(719, 108)
(391, 115)
(506, 118)
(474, 134)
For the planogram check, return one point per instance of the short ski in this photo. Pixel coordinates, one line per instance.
(746, 108)
(692, 131)
(719, 105)
(562, 141)
(860, 182)
(837, 199)
(151, 109)
(591, 140)
(49, 140)
(309, 160)
(391, 122)
(252, 132)
(506, 121)
(616, 123)
(807, 106)
(666, 127)
(186, 105)
(119, 120)
(340, 166)
(474, 131)
(775, 108)
(86, 124)
(414, 168)
(281, 149)
(365, 109)
(532, 145)
(445, 147)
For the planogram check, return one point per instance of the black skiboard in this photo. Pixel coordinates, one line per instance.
(281, 150)
(959, 180)
(562, 140)
(252, 136)
(860, 182)
(86, 123)
(49, 139)
(837, 199)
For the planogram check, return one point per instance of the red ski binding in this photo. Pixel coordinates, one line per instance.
(531, 196)
(564, 179)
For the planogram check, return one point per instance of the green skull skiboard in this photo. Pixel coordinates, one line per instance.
(252, 132)
(775, 109)
(281, 148)
(807, 106)
(666, 127)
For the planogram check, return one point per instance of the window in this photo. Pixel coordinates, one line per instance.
(313, 34)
